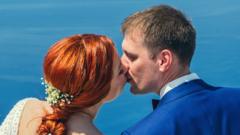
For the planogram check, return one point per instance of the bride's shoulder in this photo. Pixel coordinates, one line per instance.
(92, 132)
(73, 133)
(37, 107)
(82, 128)
(33, 111)
(80, 125)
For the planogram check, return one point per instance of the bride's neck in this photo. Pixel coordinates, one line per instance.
(89, 113)
(83, 121)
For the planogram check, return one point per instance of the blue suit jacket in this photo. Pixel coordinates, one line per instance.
(193, 108)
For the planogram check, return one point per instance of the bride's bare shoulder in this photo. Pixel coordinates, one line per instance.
(89, 132)
(83, 134)
(32, 114)
(37, 107)
(81, 127)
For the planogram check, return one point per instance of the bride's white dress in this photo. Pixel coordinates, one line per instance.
(11, 122)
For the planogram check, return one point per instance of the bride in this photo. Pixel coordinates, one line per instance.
(81, 73)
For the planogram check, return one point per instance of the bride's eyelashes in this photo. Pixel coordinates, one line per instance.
(121, 71)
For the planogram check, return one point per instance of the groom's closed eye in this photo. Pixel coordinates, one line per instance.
(130, 56)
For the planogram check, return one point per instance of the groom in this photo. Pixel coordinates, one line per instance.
(158, 47)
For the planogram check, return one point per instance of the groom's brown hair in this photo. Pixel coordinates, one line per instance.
(163, 27)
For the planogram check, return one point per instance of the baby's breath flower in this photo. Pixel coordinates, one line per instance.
(54, 96)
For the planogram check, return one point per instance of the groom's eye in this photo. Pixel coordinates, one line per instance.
(131, 57)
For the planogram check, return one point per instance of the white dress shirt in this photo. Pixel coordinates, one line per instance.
(173, 84)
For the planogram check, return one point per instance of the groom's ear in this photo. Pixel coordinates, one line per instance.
(164, 60)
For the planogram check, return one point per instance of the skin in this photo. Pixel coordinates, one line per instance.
(148, 74)
(141, 68)
(118, 80)
(80, 123)
(31, 116)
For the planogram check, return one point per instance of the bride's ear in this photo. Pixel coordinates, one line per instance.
(164, 60)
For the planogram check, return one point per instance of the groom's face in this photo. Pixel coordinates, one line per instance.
(142, 70)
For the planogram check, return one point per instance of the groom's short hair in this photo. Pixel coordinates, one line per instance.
(163, 27)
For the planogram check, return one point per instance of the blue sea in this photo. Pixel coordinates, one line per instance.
(28, 28)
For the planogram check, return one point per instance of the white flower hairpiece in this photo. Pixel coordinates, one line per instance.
(54, 95)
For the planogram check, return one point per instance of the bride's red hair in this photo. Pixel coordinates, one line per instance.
(82, 66)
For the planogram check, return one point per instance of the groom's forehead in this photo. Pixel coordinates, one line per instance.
(128, 45)
(132, 40)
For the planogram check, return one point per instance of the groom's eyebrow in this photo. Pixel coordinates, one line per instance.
(128, 53)
(125, 52)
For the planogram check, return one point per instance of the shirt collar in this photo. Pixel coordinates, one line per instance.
(173, 84)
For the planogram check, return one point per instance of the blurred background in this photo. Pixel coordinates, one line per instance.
(28, 28)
